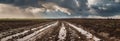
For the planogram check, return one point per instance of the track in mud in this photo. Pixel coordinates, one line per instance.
(52, 31)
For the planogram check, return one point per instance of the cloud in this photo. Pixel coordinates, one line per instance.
(63, 8)
(77, 3)
(54, 7)
(104, 7)
(117, 1)
(35, 11)
(9, 11)
(92, 2)
(12, 11)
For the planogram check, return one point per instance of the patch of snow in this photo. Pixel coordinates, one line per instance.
(87, 34)
(36, 32)
(62, 33)
(9, 37)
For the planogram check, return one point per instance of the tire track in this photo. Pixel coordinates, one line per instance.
(56, 31)
(26, 38)
(62, 34)
(21, 33)
(19, 30)
(82, 31)
(74, 35)
(50, 34)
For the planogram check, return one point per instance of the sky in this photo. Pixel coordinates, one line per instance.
(60, 9)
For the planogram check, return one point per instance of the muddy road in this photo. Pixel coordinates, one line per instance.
(52, 31)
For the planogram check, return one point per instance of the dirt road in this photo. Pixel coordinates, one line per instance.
(52, 31)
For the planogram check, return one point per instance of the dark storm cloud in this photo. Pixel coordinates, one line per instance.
(71, 4)
(107, 8)
(77, 6)
(21, 2)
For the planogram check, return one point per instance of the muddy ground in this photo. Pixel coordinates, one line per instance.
(60, 30)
